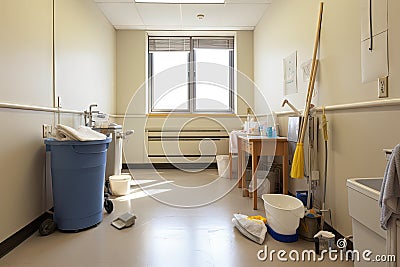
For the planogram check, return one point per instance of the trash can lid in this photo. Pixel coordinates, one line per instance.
(55, 142)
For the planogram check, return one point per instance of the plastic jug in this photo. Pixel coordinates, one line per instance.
(324, 240)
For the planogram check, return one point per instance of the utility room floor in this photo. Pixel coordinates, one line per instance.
(183, 219)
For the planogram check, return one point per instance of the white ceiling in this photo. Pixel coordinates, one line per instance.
(233, 15)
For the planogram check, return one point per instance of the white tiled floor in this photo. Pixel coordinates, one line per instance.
(163, 235)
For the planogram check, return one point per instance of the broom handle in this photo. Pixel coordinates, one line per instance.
(309, 96)
(313, 74)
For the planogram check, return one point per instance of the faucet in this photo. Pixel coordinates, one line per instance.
(295, 110)
(89, 115)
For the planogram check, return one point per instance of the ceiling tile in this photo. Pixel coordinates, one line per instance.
(160, 14)
(211, 12)
(120, 14)
(244, 14)
(228, 15)
(248, 1)
(114, 1)
(233, 15)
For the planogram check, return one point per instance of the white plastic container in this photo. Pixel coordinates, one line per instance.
(283, 213)
(120, 184)
(223, 165)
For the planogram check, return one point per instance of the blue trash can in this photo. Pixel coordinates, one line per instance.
(78, 172)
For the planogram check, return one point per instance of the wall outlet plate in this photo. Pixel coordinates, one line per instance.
(383, 87)
(315, 175)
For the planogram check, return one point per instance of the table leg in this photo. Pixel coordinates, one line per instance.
(240, 164)
(230, 165)
(254, 163)
(242, 173)
(285, 167)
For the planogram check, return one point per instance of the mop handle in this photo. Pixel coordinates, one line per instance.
(307, 109)
(313, 74)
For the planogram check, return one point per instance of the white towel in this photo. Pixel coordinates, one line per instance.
(83, 133)
(233, 145)
(253, 229)
(389, 199)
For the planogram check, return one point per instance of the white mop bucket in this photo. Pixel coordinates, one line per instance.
(283, 215)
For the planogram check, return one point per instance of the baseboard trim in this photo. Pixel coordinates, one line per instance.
(169, 166)
(338, 235)
(13, 241)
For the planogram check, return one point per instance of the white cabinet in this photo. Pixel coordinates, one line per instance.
(363, 196)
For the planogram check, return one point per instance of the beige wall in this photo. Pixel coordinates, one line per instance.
(131, 90)
(85, 56)
(26, 36)
(356, 137)
(245, 77)
(131, 70)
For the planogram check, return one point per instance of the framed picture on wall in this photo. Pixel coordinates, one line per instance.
(290, 74)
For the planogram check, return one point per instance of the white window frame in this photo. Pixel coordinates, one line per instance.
(191, 87)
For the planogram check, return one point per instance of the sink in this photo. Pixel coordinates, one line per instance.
(363, 194)
(363, 197)
(370, 187)
(371, 183)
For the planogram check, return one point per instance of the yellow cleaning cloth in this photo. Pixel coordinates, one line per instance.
(258, 217)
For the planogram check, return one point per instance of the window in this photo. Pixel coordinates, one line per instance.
(191, 74)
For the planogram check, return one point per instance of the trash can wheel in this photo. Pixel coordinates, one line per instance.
(108, 205)
(47, 227)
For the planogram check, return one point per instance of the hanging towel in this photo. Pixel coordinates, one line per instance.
(83, 133)
(233, 144)
(389, 199)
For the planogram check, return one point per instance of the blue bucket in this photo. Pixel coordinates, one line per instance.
(302, 196)
(78, 172)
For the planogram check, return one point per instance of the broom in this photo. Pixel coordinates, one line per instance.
(298, 158)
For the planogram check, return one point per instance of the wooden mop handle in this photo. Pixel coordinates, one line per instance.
(313, 74)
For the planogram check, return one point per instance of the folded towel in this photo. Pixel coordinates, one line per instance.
(83, 133)
(389, 199)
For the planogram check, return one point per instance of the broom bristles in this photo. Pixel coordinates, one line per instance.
(298, 162)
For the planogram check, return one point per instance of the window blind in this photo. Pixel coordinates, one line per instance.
(183, 43)
(214, 42)
(169, 44)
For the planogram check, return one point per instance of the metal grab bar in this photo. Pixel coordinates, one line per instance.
(356, 105)
(38, 108)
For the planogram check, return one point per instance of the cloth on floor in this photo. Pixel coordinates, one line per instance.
(389, 199)
(233, 144)
(83, 133)
(252, 228)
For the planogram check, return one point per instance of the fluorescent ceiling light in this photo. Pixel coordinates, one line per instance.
(182, 1)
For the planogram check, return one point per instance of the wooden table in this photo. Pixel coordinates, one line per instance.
(258, 146)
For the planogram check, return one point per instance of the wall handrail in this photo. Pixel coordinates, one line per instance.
(356, 105)
(38, 108)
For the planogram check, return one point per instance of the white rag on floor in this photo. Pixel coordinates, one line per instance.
(255, 230)
(233, 143)
(83, 133)
(389, 199)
